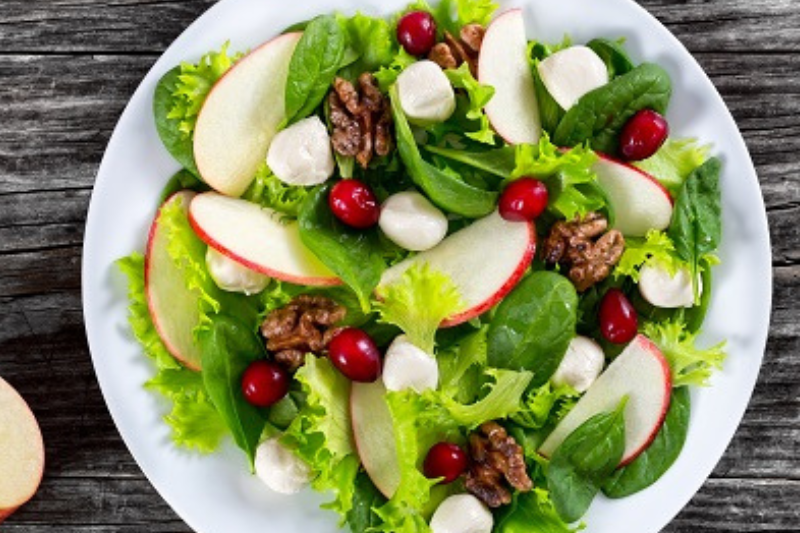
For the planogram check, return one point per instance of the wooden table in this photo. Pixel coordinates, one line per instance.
(67, 68)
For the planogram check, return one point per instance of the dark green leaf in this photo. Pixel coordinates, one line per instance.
(443, 189)
(227, 348)
(584, 461)
(499, 162)
(353, 255)
(659, 456)
(695, 316)
(613, 55)
(696, 227)
(177, 143)
(181, 181)
(318, 56)
(531, 512)
(600, 115)
(533, 326)
(361, 517)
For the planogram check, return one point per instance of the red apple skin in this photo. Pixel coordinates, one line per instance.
(641, 172)
(282, 276)
(39, 444)
(217, 84)
(173, 350)
(519, 272)
(653, 349)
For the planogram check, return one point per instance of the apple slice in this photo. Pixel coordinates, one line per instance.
(640, 202)
(503, 64)
(173, 306)
(642, 374)
(241, 115)
(571, 73)
(258, 238)
(374, 435)
(21, 451)
(485, 260)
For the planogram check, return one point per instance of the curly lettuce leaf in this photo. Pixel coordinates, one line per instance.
(655, 249)
(451, 15)
(269, 191)
(689, 364)
(546, 406)
(371, 40)
(194, 84)
(478, 96)
(387, 75)
(461, 367)
(673, 163)
(418, 303)
(569, 176)
(532, 511)
(503, 399)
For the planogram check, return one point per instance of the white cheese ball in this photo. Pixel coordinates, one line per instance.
(581, 366)
(666, 291)
(280, 469)
(572, 73)
(406, 366)
(462, 513)
(232, 276)
(412, 222)
(426, 95)
(302, 154)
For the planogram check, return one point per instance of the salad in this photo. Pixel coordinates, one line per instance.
(448, 274)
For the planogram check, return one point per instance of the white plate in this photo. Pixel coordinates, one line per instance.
(215, 494)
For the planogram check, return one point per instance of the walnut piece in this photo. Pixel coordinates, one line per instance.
(452, 52)
(361, 118)
(497, 461)
(304, 325)
(586, 248)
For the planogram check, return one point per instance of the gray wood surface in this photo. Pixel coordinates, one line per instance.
(67, 68)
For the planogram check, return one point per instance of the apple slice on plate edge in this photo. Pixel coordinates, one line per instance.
(21, 451)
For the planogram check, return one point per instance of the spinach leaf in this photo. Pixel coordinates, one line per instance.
(613, 55)
(600, 115)
(695, 316)
(443, 189)
(178, 144)
(659, 456)
(696, 227)
(499, 162)
(180, 181)
(532, 327)
(228, 347)
(584, 461)
(352, 255)
(318, 56)
(361, 518)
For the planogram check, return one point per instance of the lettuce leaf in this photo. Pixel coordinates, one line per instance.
(656, 248)
(418, 303)
(503, 400)
(532, 511)
(568, 175)
(673, 163)
(321, 434)
(546, 406)
(194, 84)
(371, 40)
(461, 367)
(267, 190)
(451, 15)
(478, 96)
(387, 75)
(689, 364)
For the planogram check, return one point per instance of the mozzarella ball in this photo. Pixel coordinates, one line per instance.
(232, 276)
(412, 222)
(406, 366)
(462, 513)
(663, 290)
(280, 469)
(302, 154)
(572, 73)
(426, 95)
(582, 364)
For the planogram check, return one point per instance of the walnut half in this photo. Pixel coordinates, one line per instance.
(497, 461)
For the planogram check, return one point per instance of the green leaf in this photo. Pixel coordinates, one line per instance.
(387, 75)
(372, 41)
(269, 191)
(175, 140)
(613, 55)
(362, 517)
(461, 367)
(504, 400)
(674, 162)
(443, 189)
(418, 304)
(181, 181)
(533, 326)
(656, 249)
(479, 95)
(546, 406)
(659, 456)
(314, 64)
(531, 512)
(499, 162)
(696, 227)
(689, 364)
(451, 15)
(228, 348)
(353, 255)
(600, 115)
(587, 457)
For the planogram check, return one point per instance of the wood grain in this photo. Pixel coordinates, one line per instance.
(68, 68)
